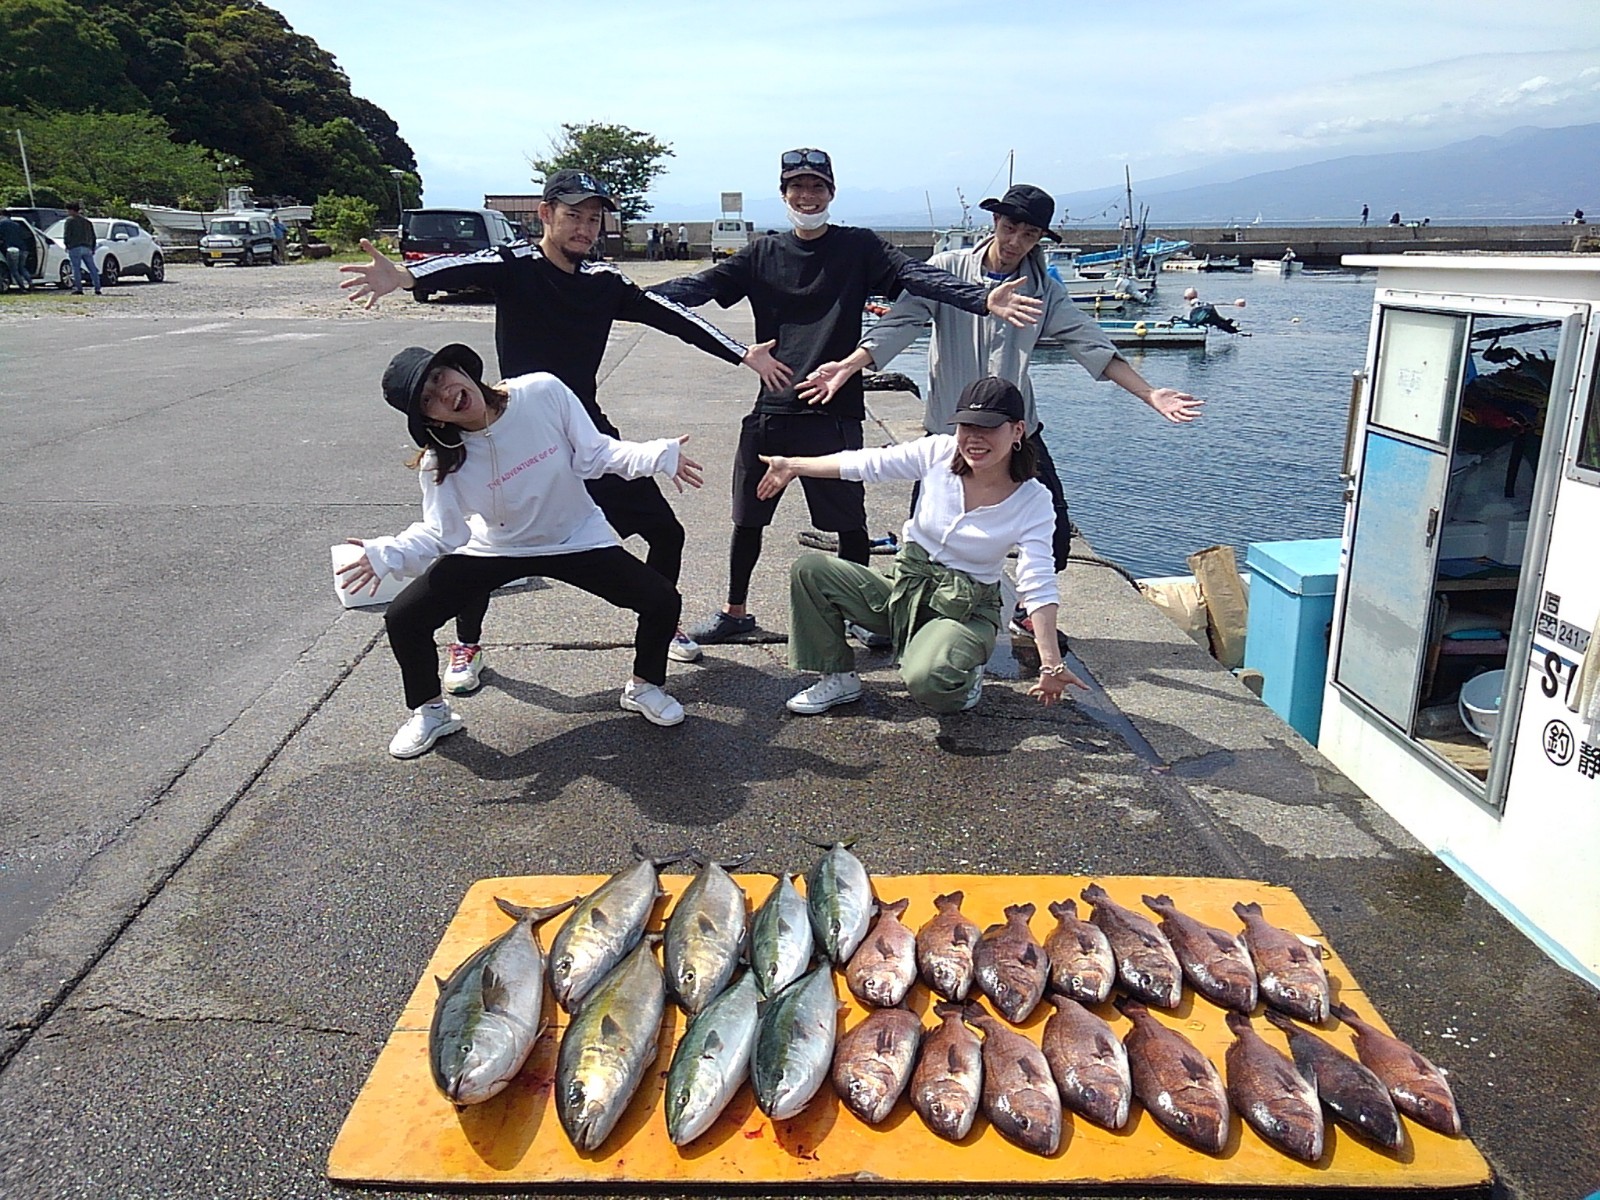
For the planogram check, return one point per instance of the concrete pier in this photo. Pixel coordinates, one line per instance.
(234, 886)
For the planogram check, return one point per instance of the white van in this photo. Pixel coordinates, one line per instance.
(729, 236)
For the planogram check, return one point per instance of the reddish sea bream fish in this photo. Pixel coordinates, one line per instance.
(1419, 1088)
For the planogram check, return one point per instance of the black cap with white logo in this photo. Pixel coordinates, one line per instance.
(990, 402)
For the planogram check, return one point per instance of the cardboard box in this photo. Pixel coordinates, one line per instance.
(389, 586)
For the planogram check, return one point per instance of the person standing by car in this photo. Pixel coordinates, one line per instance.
(553, 312)
(79, 239)
(808, 288)
(280, 240)
(683, 241)
(16, 244)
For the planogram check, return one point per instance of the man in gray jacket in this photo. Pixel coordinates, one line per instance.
(965, 347)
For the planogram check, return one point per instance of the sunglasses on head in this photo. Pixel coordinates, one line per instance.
(805, 158)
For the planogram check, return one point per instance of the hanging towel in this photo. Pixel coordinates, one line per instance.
(1586, 688)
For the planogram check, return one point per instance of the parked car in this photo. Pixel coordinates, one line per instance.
(243, 238)
(430, 232)
(36, 262)
(120, 248)
(729, 236)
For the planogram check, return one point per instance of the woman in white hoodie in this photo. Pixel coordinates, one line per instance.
(502, 470)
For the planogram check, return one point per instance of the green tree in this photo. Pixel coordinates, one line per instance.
(343, 220)
(106, 159)
(625, 160)
(52, 54)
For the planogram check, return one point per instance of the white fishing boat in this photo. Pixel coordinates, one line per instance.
(187, 225)
(1462, 691)
(1276, 266)
(1171, 334)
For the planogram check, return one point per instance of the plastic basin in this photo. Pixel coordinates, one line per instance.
(1480, 703)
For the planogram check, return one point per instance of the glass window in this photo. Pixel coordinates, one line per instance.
(1589, 446)
(1419, 358)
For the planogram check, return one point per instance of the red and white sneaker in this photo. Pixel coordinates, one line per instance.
(464, 672)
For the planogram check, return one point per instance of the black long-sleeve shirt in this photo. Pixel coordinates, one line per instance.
(547, 319)
(809, 294)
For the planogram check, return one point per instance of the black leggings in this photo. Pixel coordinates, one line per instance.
(456, 580)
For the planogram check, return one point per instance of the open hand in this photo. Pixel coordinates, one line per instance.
(1177, 407)
(689, 472)
(370, 281)
(359, 574)
(775, 375)
(1050, 688)
(823, 384)
(779, 473)
(1020, 311)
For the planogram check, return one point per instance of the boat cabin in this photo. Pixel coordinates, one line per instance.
(1469, 580)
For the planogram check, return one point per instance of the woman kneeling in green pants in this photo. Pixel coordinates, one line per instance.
(941, 607)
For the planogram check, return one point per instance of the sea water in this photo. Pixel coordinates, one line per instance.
(1263, 462)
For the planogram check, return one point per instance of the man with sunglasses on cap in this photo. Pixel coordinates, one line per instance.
(553, 313)
(807, 288)
(965, 348)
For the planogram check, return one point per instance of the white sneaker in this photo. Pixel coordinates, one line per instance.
(974, 693)
(462, 673)
(683, 648)
(427, 725)
(652, 703)
(839, 688)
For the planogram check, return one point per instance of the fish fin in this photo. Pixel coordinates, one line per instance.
(733, 864)
(599, 918)
(1313, 947)
(1104, 1045)
(784, 926)
(884, 1043)
(609, 1028)
(1282, 1022)
(1030, 1071)
(713, 1041)
(953, 1059)
(961, 935)
(1087, 942)
(496, 995)
(1289, 1080)
(1345, 1013)
(1221, 940)
(515, 911)
(1030, 955)
(705, 924)
(1025, 911)
(882, 946)
(1197, 1068)
(439, 979)
(949, 899)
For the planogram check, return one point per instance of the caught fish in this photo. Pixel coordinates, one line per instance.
(1419, 1088)
(781, 942)
(1273, 1098)
(794, 1044)
(1177, 1084)
(1348, 1090)
(872, 1062)
(839, 896)
(489, 1013)
(944, 948)
(1019, 1094)
(1010, 967)
(602, 930)
(1291, 974)
(1081, 963)
(884, 966)
(1213, 960)
(1146, 963)
(705, 936)
(947, 1085)
(1089, 1064)
(608, 1046)
(711, 1060)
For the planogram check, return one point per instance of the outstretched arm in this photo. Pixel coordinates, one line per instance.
(781, 471)
(823, 384)
(372, 281)
(1177, 407)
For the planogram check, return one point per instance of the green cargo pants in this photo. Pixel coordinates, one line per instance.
(940, 662)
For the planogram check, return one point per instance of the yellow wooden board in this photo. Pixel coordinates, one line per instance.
(402, 1131)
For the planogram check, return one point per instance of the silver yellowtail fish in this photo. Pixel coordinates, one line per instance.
(780, 939)
(794, 1044)
(705, 936)
(488, 1014)
(605, 926)
(839, 895)
(607, 1048)
(712, 1060)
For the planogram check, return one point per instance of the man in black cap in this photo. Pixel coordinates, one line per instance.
(553, 312)
(807, 288)
(963, 349)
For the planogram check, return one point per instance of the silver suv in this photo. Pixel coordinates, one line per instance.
(242, 238)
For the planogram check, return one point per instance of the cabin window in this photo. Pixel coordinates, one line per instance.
(1589, 445)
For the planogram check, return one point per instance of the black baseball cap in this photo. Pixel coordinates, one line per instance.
(990, 402)
(805, 161)
(408, 371)
(1024, 202)
(568, 186)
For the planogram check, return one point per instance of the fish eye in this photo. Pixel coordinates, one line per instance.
(688, 974)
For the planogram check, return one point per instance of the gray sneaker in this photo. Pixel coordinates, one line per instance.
(720, 627)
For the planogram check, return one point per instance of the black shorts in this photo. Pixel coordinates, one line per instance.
(837, 505)
(632, 506)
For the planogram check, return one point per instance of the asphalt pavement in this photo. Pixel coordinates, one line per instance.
(218, 888)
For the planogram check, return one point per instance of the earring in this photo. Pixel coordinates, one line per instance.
(1016, 446)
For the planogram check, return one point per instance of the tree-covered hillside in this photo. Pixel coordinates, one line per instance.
(230, 85)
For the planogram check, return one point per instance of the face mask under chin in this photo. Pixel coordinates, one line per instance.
(807, 221)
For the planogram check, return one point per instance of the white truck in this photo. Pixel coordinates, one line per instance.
(730, 232)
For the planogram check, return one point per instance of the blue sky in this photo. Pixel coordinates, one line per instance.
(933, 95)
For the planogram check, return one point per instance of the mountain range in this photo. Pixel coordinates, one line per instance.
(1529, 174)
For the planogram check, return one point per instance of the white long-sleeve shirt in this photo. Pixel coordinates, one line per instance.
(978, 540)
(520, 490)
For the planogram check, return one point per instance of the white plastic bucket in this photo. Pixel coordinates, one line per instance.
(1480, 703)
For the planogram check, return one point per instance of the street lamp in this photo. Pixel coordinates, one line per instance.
(397, 175)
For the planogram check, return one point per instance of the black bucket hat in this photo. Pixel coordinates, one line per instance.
(1024, 202)
(990, 402)
(408, 371)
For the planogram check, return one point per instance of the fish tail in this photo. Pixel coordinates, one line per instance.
(1158, 903)
(1095, 894)
(1282, 1022)
(1243, 910)
(948, 1008)
(1238, 1023)
(1025, 911)
(533, 916)
(1346, 1014)
(1062, 910)
(955, 898)
(830, 845)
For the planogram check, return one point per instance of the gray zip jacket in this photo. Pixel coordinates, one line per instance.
(965, 347)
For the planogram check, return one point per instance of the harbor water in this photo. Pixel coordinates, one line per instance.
(1262, 464)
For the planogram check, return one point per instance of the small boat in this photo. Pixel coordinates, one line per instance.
(183, 225)
(1276, 266)
(1171, 334)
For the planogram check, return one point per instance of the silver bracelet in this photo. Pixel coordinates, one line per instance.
(1059, 669)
